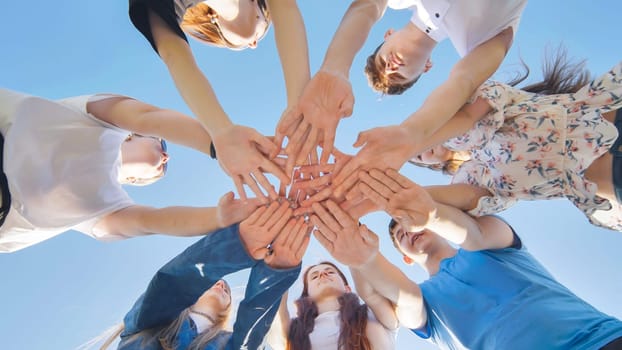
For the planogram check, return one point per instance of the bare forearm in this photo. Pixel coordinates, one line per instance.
(454, 225)
(174, 221)
(352, 34)
(277, 336)
(466, 76)
(199, 95)
(437, 110)
(461, 196)
(463, 121)
(291, 42)
(178, 128)
(190, 81)
(381, 307)
(390, 282)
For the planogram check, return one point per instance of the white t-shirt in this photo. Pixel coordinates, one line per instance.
(62, 166)
(467, 23)
(325, 335)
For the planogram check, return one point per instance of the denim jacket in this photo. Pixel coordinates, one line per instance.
(179, 283)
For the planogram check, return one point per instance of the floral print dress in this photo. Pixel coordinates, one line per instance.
(533, 146)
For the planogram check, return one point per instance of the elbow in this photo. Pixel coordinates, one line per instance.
(373, 9)
(464, 80)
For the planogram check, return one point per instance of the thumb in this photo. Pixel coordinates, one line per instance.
(361, 139)
(226, 198)
(368, 236)
(288, 119)
(345, 110)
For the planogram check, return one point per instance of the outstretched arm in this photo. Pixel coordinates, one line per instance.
(390, 282)
(352, 34)
(461, 196)
(277, 336)
(391, 293)
(291, 42)
(466, 76)
(242, 152)
(382, 308)
(328, 96)
(138, 220)
(145, 119)
(415, 209)
(392, 146)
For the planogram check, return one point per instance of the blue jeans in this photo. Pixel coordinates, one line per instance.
(179, 283)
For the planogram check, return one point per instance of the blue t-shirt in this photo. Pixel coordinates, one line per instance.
(504, 299)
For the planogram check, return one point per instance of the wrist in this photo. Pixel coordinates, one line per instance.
(335, 70)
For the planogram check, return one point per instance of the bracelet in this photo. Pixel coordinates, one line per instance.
(212, 150)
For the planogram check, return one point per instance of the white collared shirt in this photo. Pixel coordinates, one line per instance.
(467, 23)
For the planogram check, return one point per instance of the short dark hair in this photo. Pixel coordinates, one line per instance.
(380, 82)
(392, 225)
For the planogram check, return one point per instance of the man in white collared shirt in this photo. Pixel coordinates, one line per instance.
(404, 55)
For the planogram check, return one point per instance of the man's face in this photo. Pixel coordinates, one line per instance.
(413, 244)
(398, 59)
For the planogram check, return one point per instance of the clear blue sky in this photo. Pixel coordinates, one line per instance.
(60, 293)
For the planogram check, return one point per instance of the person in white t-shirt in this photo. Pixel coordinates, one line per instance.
(66, 161)
(338, 316)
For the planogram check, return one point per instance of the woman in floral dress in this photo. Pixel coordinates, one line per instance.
(520, 145)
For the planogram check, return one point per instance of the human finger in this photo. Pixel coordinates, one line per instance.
(402, 180)
(267, 214)
(239, 185)
(347, 105)
(315, 169)
(374, 196)
(265, 184)
(318, 197)
(250, 181)
(294, 144)
(279, 217)
(268, 166)
(307, 147)
(347, 182)
(342, 217)
(368, 236)
(326, 217)
(328, 145)
(324, 240)
(254, 217)
(387, 180)
(380, 187)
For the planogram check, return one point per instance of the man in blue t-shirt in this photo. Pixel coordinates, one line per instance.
(489, 294)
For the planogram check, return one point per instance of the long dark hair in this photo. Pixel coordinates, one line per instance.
(353, 314)
(560, 75)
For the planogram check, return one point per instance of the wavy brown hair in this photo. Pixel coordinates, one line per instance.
(353, 314)
(380, 82)
(201, 22)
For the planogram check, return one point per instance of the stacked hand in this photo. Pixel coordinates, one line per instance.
(271, 233)
(243, 153)
(313, 121)
(407, 202)
(347, 241)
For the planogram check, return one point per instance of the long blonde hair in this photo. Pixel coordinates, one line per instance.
(168, 335)
(201, 22)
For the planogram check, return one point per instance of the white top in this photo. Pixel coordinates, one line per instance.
(467, 23)
(325, 335)
(62, 165)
